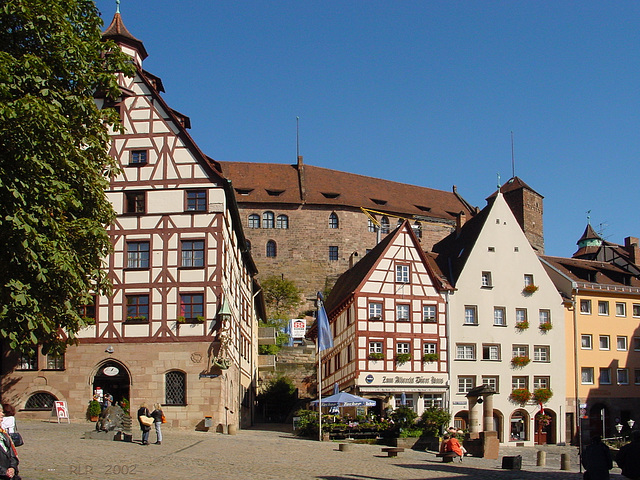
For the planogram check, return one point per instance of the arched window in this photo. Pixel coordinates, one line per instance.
(254, 220)
(268, 220)
(371, 227)
(282, 221)
(175, 385)
(333, 220)
(271, 248)
(40, 401)
(384, 222)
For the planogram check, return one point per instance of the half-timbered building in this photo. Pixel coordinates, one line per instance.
(179, 328)
(388, 319)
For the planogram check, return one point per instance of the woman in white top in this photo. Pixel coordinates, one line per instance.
(9, 420)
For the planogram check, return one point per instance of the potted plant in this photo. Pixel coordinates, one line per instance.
(543, 419)
(545, 326)
(542, 395)
(520, 396)
(136, 319)
(93, 410)
(402, 358)
(429, 357)
(522, 325)
(376, 356)
(529, 289)
(520, 361)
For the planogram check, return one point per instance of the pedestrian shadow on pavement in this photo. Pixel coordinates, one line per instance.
(487, 472)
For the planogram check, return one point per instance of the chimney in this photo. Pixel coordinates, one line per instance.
(461, 219)
(631, 245)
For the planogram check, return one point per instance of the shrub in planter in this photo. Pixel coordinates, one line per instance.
(429, 357)
(376, 356)
(542, 395)
(93, 410)
(520, 396)
(520, 361)
(523, 325)
(402, 358)
(545, 326)
(530, 289)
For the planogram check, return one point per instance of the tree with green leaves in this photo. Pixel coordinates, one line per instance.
(281, 296)
(54, 167)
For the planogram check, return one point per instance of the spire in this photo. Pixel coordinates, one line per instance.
(589, 238)
(119, 34)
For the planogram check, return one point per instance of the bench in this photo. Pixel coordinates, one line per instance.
(447, 457)
(393, 451)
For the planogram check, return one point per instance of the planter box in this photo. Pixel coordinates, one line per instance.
(416, 443)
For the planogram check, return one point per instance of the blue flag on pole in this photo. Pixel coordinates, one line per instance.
(325, 340)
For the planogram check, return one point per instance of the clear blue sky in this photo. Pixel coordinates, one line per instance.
(420, 92)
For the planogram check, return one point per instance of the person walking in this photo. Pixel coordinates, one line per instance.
(157, 415)
(9, 420)
(596, 459)
(628, 458)
(8, 455)
(144, 411)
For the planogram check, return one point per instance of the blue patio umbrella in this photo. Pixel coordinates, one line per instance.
(403, 399)
(336, 388)
(344, 399)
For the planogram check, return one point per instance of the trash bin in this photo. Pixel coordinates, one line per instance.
(512, 463)
(208, 422)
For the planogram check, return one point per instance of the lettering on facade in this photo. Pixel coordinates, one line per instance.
(412, 380)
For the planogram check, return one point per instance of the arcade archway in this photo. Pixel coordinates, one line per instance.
(113, 377)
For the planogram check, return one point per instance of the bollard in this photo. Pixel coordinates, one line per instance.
(344, 447)
(565, 463)
(542, 458)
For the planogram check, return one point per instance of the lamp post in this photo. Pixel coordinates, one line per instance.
(631, 423)
(619, 428)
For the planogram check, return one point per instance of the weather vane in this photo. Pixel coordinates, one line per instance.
(117, 6)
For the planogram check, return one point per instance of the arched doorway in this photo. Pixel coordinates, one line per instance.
(461, 420)
(519, 431)
(113, 377)
(498, 420)
(545, 427)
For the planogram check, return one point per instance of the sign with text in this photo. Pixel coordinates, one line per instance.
(62, 412)
(402, 380)
(298, 328)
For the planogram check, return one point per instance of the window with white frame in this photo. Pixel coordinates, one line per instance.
(254, 220)
(371, 227)
(605, 376)
(545, 317)
(384, 225)
(375, 311)
(499, 316)
(465, 351)
(521, 315)
(603, 307)
(490, 352)
(636, 344)
(586, 375)
(520, 351)
(621, 309)
(636, 376)
(470, 315)
(486, 279)
(429, 313)
(375, 347)
(268, 220)
(282, 221)
(621, 343)
(528, 279)
(636, 310)
(541, 382)
(541, 353)
(623, 376)
(402, 313)
(403, 347)
(519, 382)
(402, 273)
(604, 342)
(432, 400)
(586, 341)
(466, 384)
(585, 307)
(333, 220)
(429, 347)
(491, 381)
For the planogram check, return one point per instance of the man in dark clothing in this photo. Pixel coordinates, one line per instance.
(8, 458)
(597, 461)
(628, 458)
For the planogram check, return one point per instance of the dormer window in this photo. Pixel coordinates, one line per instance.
(244, 191)
(275, 193)
(330, 195)
(378, 201)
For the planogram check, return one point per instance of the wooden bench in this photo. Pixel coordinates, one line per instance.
(393, 451)
(447, 457)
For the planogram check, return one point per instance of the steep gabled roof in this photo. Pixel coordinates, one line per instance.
(453, 251)
(295, 184)
(514, 183)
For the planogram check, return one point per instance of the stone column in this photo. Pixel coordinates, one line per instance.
(487, 411)
(474, 425)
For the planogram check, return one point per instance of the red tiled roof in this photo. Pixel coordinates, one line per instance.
(514, 183)
(581, 270)
(118, 32)
(280, 183)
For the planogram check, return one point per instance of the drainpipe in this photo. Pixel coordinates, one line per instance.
(574, 289)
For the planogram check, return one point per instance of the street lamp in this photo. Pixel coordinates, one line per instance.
(618, 428)
(631, 423)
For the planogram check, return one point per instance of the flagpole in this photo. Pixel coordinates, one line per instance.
(319, 388)
(325, 341)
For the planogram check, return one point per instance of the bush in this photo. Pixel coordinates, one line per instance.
(433, 420)
(94, 409)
